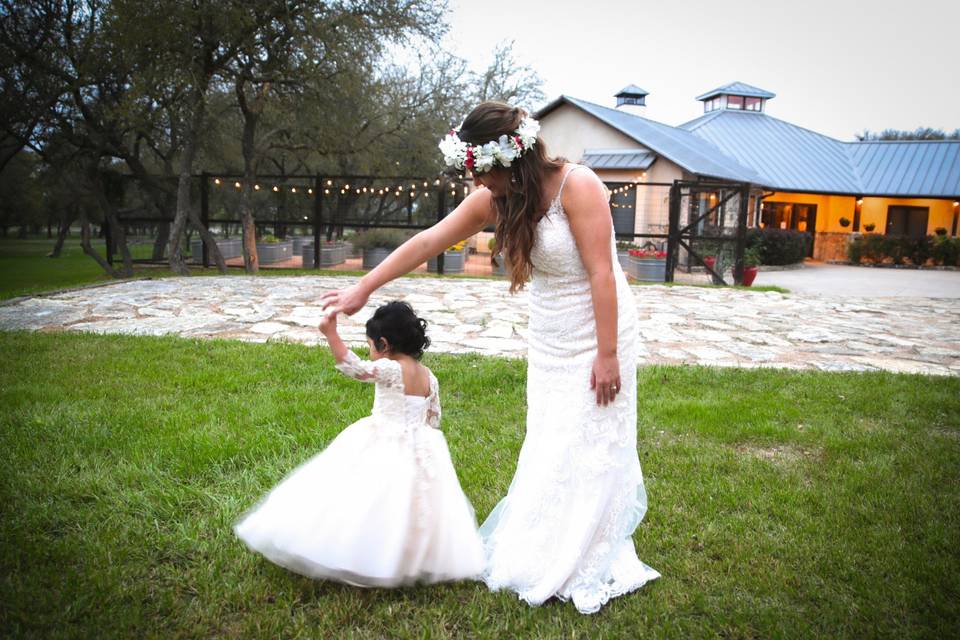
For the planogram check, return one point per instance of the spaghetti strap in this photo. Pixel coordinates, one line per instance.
(564, 181)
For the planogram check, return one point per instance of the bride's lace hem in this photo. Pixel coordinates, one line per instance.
(626, 575)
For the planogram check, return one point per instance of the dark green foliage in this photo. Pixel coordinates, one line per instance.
(779, 246)
(943, 250)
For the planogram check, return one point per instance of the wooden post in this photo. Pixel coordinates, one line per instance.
(741, 234)
(441, 213)
(674, 231)
(205, 215)
(317, 219)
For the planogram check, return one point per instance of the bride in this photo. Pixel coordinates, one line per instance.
(564, 528)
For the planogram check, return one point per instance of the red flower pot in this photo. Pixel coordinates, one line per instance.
(749, 273)
(709, 261)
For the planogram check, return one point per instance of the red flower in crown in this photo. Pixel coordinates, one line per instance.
(469, 161)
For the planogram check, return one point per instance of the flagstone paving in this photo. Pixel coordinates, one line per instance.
(695, 325)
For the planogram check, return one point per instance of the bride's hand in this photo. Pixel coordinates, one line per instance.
(605, 378)
(348, 301)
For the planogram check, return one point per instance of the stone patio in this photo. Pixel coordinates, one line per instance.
(680, 324)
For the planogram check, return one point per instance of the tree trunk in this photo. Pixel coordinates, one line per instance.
(88, 249)
(208, 240)
(251, 261)
(62, 230)
(184, 179)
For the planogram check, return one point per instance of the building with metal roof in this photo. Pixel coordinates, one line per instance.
(801, 179)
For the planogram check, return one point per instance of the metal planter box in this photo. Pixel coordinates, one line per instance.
(373, 257)
(273, 252)
(648, 269)
(330, 255)
(228, 249)
(453, 262)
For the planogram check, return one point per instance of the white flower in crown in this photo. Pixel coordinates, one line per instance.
(528, 131)
(482, 158)
(506, 151)
(454, 150)
(485, 156)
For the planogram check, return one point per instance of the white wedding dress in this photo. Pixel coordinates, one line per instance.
(564, 528)
(381, 506)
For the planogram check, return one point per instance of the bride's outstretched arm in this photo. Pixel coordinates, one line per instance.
(471, 216)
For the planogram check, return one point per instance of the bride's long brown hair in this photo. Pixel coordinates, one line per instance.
(524, 203)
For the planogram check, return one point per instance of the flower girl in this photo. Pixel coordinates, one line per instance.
(381, 506)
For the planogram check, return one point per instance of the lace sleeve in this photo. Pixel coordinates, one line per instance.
(433, 404)
(383, 371)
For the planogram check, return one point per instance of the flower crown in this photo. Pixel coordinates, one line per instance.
(480, 158)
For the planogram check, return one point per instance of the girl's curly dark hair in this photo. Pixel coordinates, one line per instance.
(403, 331)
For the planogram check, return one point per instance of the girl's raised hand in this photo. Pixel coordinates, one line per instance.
(328, 324)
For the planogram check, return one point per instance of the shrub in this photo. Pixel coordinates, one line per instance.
(945, 251)
(379, 239)
(878, 248)
(269, 239)
(855, 250)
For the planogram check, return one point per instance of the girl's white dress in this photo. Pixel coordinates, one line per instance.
(381, 506)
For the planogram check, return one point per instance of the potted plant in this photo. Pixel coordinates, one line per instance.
(454, 259)
(751, 262)
(377, 244)
(648, 265)
(271, 249)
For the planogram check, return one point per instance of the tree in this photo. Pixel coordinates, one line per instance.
(920, 133)
(506, 80)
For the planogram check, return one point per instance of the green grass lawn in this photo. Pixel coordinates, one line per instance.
(782, 503)
(25, 269)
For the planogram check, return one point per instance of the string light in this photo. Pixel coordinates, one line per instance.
(293, 189)
(256, 187)
(276, 188)
(216, 181)
(236, 184)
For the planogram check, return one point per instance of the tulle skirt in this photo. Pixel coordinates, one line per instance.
(381, 506)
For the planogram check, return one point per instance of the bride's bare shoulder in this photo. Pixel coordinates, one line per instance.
(479, 203)
(583, 189)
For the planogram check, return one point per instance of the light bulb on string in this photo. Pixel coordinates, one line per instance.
(329, 183)
(236, 184)
(326, 192)
(276, 188)
(256, 187)
(216, 181)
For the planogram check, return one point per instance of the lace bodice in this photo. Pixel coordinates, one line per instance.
(389, 400)
(554, 253)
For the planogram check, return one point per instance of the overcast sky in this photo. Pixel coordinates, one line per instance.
(837, 66)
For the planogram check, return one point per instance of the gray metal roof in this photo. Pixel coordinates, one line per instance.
(909, 168)
(690, 152)
(738, 89)
(618, 158)
(791, 158)
(632, 89)
(787, 157)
